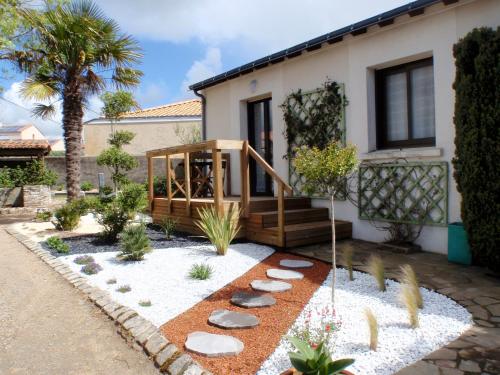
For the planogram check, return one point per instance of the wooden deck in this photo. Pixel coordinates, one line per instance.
(283, 221)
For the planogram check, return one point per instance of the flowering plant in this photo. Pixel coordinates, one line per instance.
(318, 326)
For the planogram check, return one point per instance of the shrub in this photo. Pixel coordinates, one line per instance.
(124, 289)
(376, 269)
(111, 281)
(316, 360)
(43, 216)
(347, 255)
(200, 271)
(91, 268)
(145, 303)
(68, 216)
(372, 327)
(168, 226)
(86, 186)
(84, 259)
(134, 243)
(113, 219)
(33, 173)
(407, 297)
(477, 119)
(409, 278)
(132, 198)
(58, 245)
(220, 229)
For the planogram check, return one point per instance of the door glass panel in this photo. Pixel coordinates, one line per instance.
(396, 111)
(422, 102)
(260, 144)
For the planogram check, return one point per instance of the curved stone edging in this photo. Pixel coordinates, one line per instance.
(137, 331)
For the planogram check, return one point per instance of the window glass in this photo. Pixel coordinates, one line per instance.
(422, 102)
(396, 107)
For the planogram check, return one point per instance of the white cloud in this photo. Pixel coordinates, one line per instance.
(207, 67)
(262, 25)
(152, 94)
(17, 110)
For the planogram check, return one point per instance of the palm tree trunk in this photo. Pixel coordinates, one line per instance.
(334, 257)
(72, 126)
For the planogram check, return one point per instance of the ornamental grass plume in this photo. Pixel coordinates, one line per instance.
(371, 319)
(347, 255)
(376, 269)
(408, 298)
(409, 278)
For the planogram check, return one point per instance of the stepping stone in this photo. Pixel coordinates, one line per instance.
(270, 285)
(275, 273)
(292, 263)
(211, 345)
(252, 299)
(232, 319)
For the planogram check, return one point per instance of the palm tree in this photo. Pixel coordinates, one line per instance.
(79, 52)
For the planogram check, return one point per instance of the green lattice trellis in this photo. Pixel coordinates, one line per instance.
(412, 193)
(302, 109)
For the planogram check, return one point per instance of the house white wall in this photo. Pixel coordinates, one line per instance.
(352, 62)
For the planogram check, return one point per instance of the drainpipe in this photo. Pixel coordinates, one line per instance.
(203, 114)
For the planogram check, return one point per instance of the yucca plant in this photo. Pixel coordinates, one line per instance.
(219, 228)
(312, 361)
(408, 299)
(371, 319)
(347, 255)
(376, 269)
(409, 278)
(135, 243)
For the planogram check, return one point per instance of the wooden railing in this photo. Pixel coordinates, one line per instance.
(215, 148)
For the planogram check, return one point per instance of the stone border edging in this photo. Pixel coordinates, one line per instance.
(140, 333)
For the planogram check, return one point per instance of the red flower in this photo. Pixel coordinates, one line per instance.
(327, 328)
(314, 346)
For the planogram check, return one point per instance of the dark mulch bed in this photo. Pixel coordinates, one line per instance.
(92, 243)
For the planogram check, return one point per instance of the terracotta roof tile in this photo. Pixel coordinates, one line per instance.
(185, 108)
(24, 144)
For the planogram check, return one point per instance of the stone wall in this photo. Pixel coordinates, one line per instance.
(90, 169)
(37, 196)
(11, 197)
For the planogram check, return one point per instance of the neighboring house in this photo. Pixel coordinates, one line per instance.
(155, 127)
(397, 69)
(57, 144)
(24, 132)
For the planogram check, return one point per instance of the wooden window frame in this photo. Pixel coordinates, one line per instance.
(380, 105)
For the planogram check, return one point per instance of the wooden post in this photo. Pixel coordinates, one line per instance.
(245, 180)
(218, 186)
(228, 175)
(150, 185)
(187, 183)
(281, 215)
(169, 183)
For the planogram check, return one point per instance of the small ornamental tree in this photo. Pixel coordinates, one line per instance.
(477, 141)
(324, 172)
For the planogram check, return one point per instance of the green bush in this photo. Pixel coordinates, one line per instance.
(43, 216)
(220, 229)
(55, 243)
(477, 140)
(68, 216)
(33, 173)
(168, 226)
(84, 259)
(86, 186)
(113, 218)
(200, 271)
(134, 243)
(132, 198)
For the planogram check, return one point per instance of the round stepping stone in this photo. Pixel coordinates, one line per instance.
(250, 300)
(270, 285)
(275, 273)
(232, 319)
(211, 345)
(292, 263)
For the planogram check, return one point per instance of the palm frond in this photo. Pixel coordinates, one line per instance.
(126, 77)
(44, 111)
(32, 88)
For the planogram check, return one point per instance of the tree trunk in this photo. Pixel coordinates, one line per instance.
(334, 257)
(72, 126)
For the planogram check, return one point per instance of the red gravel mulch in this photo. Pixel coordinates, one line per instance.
(259, 341)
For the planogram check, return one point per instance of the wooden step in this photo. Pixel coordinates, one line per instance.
(270, 218)
(271, 204)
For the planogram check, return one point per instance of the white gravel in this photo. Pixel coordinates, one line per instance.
(162, 277)
(441, 321)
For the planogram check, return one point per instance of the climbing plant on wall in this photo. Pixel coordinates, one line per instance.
(313, 119)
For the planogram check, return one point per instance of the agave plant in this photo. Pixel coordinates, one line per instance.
(219, 228)
(315, 361)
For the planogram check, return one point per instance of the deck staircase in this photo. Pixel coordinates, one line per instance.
(304, 225)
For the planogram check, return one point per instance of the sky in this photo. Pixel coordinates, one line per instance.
(186, 41)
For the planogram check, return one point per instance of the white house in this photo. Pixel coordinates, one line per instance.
(397, 70)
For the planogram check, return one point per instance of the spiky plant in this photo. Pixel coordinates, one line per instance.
(145, 303)
(371, 319)
(408, 299)
(168, 226)
(124, 288)
(347, 255)
(376, 269)
(219, 228)
(84, 259)
(200, 271)
(135, 243)
(409, 278)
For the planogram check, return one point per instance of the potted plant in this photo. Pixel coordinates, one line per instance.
(315, 360)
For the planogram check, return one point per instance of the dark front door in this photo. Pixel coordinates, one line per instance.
(260, 132)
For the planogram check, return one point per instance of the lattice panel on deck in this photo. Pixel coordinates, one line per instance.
(413, 193)
(303, 109)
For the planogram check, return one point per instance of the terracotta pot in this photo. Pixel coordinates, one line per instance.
(292, 371)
